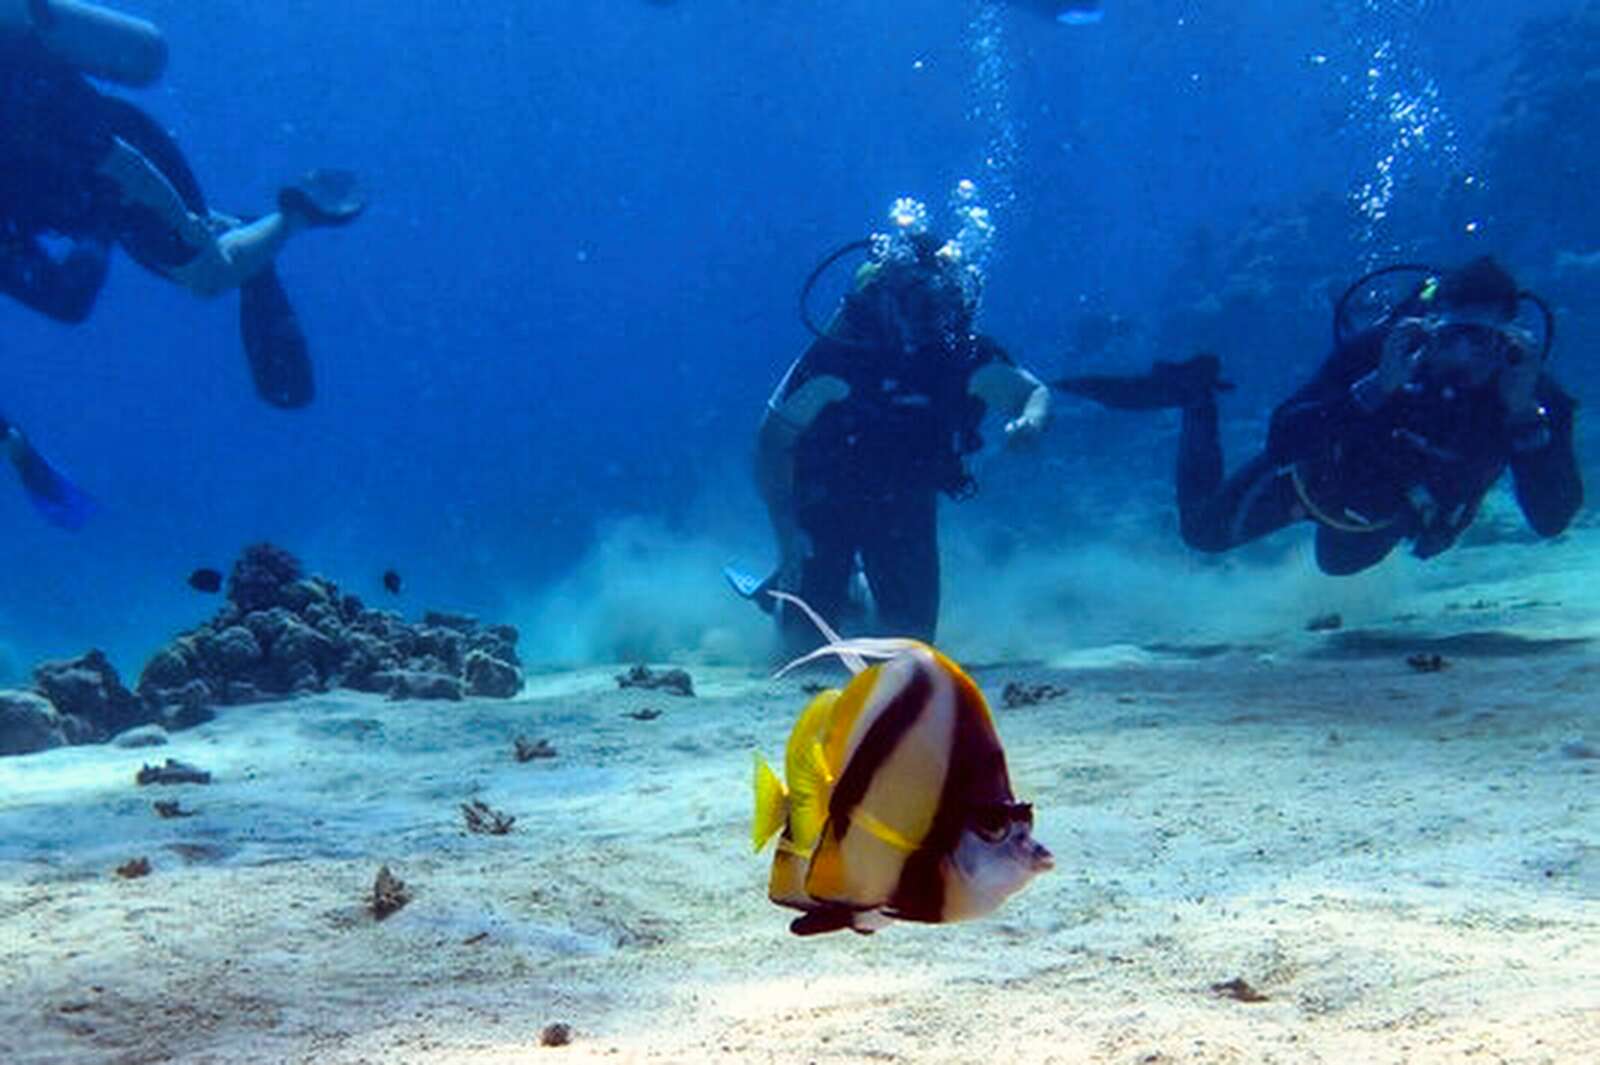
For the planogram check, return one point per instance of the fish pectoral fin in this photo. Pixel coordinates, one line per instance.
(772, 805)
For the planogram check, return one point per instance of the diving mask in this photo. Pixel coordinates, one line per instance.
(1468, 351)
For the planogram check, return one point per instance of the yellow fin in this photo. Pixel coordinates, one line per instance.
(807, 770)
(772, 805)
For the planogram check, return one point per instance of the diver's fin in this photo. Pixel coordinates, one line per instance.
(274, 344)
(772, 805)
(61, 502)
(329, 197)
(1168, 385)
(747, 585)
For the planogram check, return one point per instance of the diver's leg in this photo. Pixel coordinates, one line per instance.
(1214, 515)
(824, 576)
(144, 187)
(65, 290)
(901, 556)
(233, 255)
(1199, 470)
(94, 39)
(228, 252)
(1168, 385)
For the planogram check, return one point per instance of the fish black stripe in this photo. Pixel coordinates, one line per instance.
(876, 746)
(977, 774)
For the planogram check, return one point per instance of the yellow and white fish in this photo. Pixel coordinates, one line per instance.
(898, 804)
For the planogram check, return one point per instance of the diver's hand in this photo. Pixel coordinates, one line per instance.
(1025, 429)
(1403, 349)
(1518, 383)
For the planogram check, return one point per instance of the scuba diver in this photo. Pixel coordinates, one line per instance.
(875, 419)
(1399, 435)
(91, 170)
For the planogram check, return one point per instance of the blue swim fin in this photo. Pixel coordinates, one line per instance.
(747, 585)
(61, 502)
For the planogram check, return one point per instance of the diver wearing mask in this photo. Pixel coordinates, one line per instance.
(1399, 436)
(872, 423)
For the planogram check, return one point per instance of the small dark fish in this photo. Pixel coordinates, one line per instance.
(206, 580)
(391, 581)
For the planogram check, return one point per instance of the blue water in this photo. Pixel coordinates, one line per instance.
(576, 282)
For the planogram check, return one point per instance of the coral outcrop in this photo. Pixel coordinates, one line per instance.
(280, 633)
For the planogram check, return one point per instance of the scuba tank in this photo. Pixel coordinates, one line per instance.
(98, 41)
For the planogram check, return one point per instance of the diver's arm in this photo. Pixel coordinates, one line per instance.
(1017, 395)
(1544, 466)
(1325, 407)
(786, 418)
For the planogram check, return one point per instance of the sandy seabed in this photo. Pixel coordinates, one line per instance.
(1295, 850)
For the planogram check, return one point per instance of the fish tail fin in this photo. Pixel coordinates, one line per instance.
(772, 805)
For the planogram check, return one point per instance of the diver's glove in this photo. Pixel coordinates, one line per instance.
(1403, 350)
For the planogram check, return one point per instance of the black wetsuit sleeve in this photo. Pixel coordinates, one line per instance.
(65, 290)
(1548, 485)
(987, 349)
(49, 112)
(1322, 410)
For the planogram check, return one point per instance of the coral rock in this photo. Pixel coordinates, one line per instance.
(29, 722)
(259, 577)
(487, 675)
(88, 687)
(416, 684)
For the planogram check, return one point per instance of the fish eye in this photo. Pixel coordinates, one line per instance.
(991, 823)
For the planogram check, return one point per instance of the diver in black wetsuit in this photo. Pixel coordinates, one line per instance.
(1399, 436)
(93, 170)
(871, 424)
